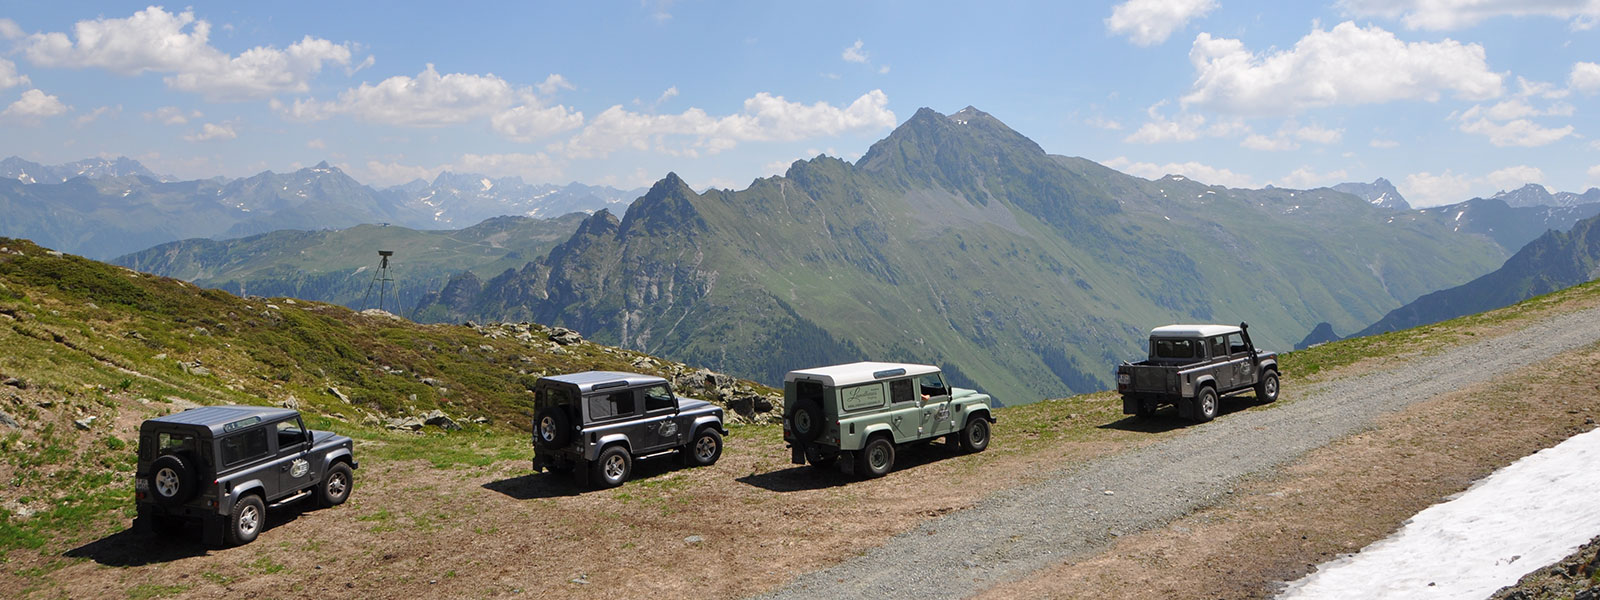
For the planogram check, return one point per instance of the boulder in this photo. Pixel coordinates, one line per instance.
(85, 423)
(437, 418)
(338, 394)
(6, 420)
(565, 337)
(407, 423)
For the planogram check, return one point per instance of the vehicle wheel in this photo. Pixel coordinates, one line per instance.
(1206, 405)
(172, 479)
(975, 436)
(552, 428)
(249, 516)
(335, 488)
(820, 459)
(875, 460)
(705, 448)
(806, 422)
(1267, 389)
(613, 467)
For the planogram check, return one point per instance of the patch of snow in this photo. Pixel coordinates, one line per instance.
(1518, 519)
(487, 185)
(1458, 215)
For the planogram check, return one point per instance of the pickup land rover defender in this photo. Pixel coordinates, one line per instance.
(1193, 367)
(224, 466)
(602, 421)
(856, 415)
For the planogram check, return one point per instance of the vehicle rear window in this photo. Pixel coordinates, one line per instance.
(1170, 348)
(244, 446)
(169, 443)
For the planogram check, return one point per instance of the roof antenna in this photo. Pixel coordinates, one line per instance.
(381, 279)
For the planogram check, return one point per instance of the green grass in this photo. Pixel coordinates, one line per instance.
(146, 591)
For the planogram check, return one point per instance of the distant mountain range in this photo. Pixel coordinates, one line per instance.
(959, 241)
(1379, 193)
(102, 208)
(340, 266)
(1534, 194)
(1554, 261)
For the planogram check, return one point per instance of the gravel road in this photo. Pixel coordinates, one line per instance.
(1079, 511)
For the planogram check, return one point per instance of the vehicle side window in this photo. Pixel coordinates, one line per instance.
(658, 398)
(1236, 344)
(932, 385)
(611, 406)
(900, 391)
(1170, 348)
(245, 446)
(1219, 346)
(290, 433)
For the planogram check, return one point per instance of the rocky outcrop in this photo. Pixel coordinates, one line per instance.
(1577, 576)
(1321, 334)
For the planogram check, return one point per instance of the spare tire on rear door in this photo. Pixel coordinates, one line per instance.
(806, 422)
(552, 427)
(172, 478)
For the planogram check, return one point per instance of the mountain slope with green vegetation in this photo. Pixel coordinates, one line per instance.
(1554, 261)
(338, 266)
(958, 241)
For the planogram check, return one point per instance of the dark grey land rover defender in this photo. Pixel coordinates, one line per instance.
(601, 421)
(225, 465)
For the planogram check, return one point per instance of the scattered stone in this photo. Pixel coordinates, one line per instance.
(407, 423)
(55, 253)
(84, 423)
(486, 347)
(1109, 493)
(693, 539)
(338, 394)
(565, 337)
(643, 362)
(438, 419)
(202, 331)
(481, 420)
(430, 382)
(471, 324)
(14, 382)
(291, 403)
(6, 420)
(273, 307)
(580, 580)
(162, 356)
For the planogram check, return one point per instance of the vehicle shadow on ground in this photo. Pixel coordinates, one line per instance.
(1167, 418)
(805, 477)
(556, 485)
(137, 547)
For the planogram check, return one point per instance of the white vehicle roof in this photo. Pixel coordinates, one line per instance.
(1192, 330)
(861, 372)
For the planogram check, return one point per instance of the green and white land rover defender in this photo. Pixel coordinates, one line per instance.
(857, 415)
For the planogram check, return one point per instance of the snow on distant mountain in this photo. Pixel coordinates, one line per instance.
(1534, 194)
(94, 168)
(462, 199)
(1379, 193)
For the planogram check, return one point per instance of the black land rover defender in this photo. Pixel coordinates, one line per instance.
(601, 421)
(225, 465)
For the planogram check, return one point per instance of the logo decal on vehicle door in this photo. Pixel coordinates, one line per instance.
(299, 468)
(669, 429)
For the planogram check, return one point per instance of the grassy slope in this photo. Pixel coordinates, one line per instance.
(84, 338)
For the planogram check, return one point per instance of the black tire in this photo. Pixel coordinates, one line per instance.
(613, 467)
(552, 427)
(806, 422)
(1206, 405)
(704, 448)
(245, 522)
(335, 487)
(876, 459)
(975, 436)
(1267, 388)
(172, 479)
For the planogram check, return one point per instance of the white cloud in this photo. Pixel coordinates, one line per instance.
(530, 122)
(1269, 144)
(1383, 143)
(212, 132)
(427, 100)
(35, 105)
(382, 173)
(672, 92)
(1507, 123)
(1347, 65)
(97, 113)
(1511, 178)
(1193, 170)
(1185, 127)
(10, 30)
(855, 54)
(1458, 14)
(765, 118)
(1304, 178)
(1098, 122)
(1151, 22)
(1289, 136)
(156, 40)
(172, 115)
(1594, 175)
(554, 83)
(534, 167)
(883, 70)
(1426, 189)
(1585, 77)
(317, 144)
(9, 76)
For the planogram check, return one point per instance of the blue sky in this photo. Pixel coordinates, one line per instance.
(1448, 99)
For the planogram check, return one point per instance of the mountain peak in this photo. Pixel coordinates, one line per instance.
(322, 165)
